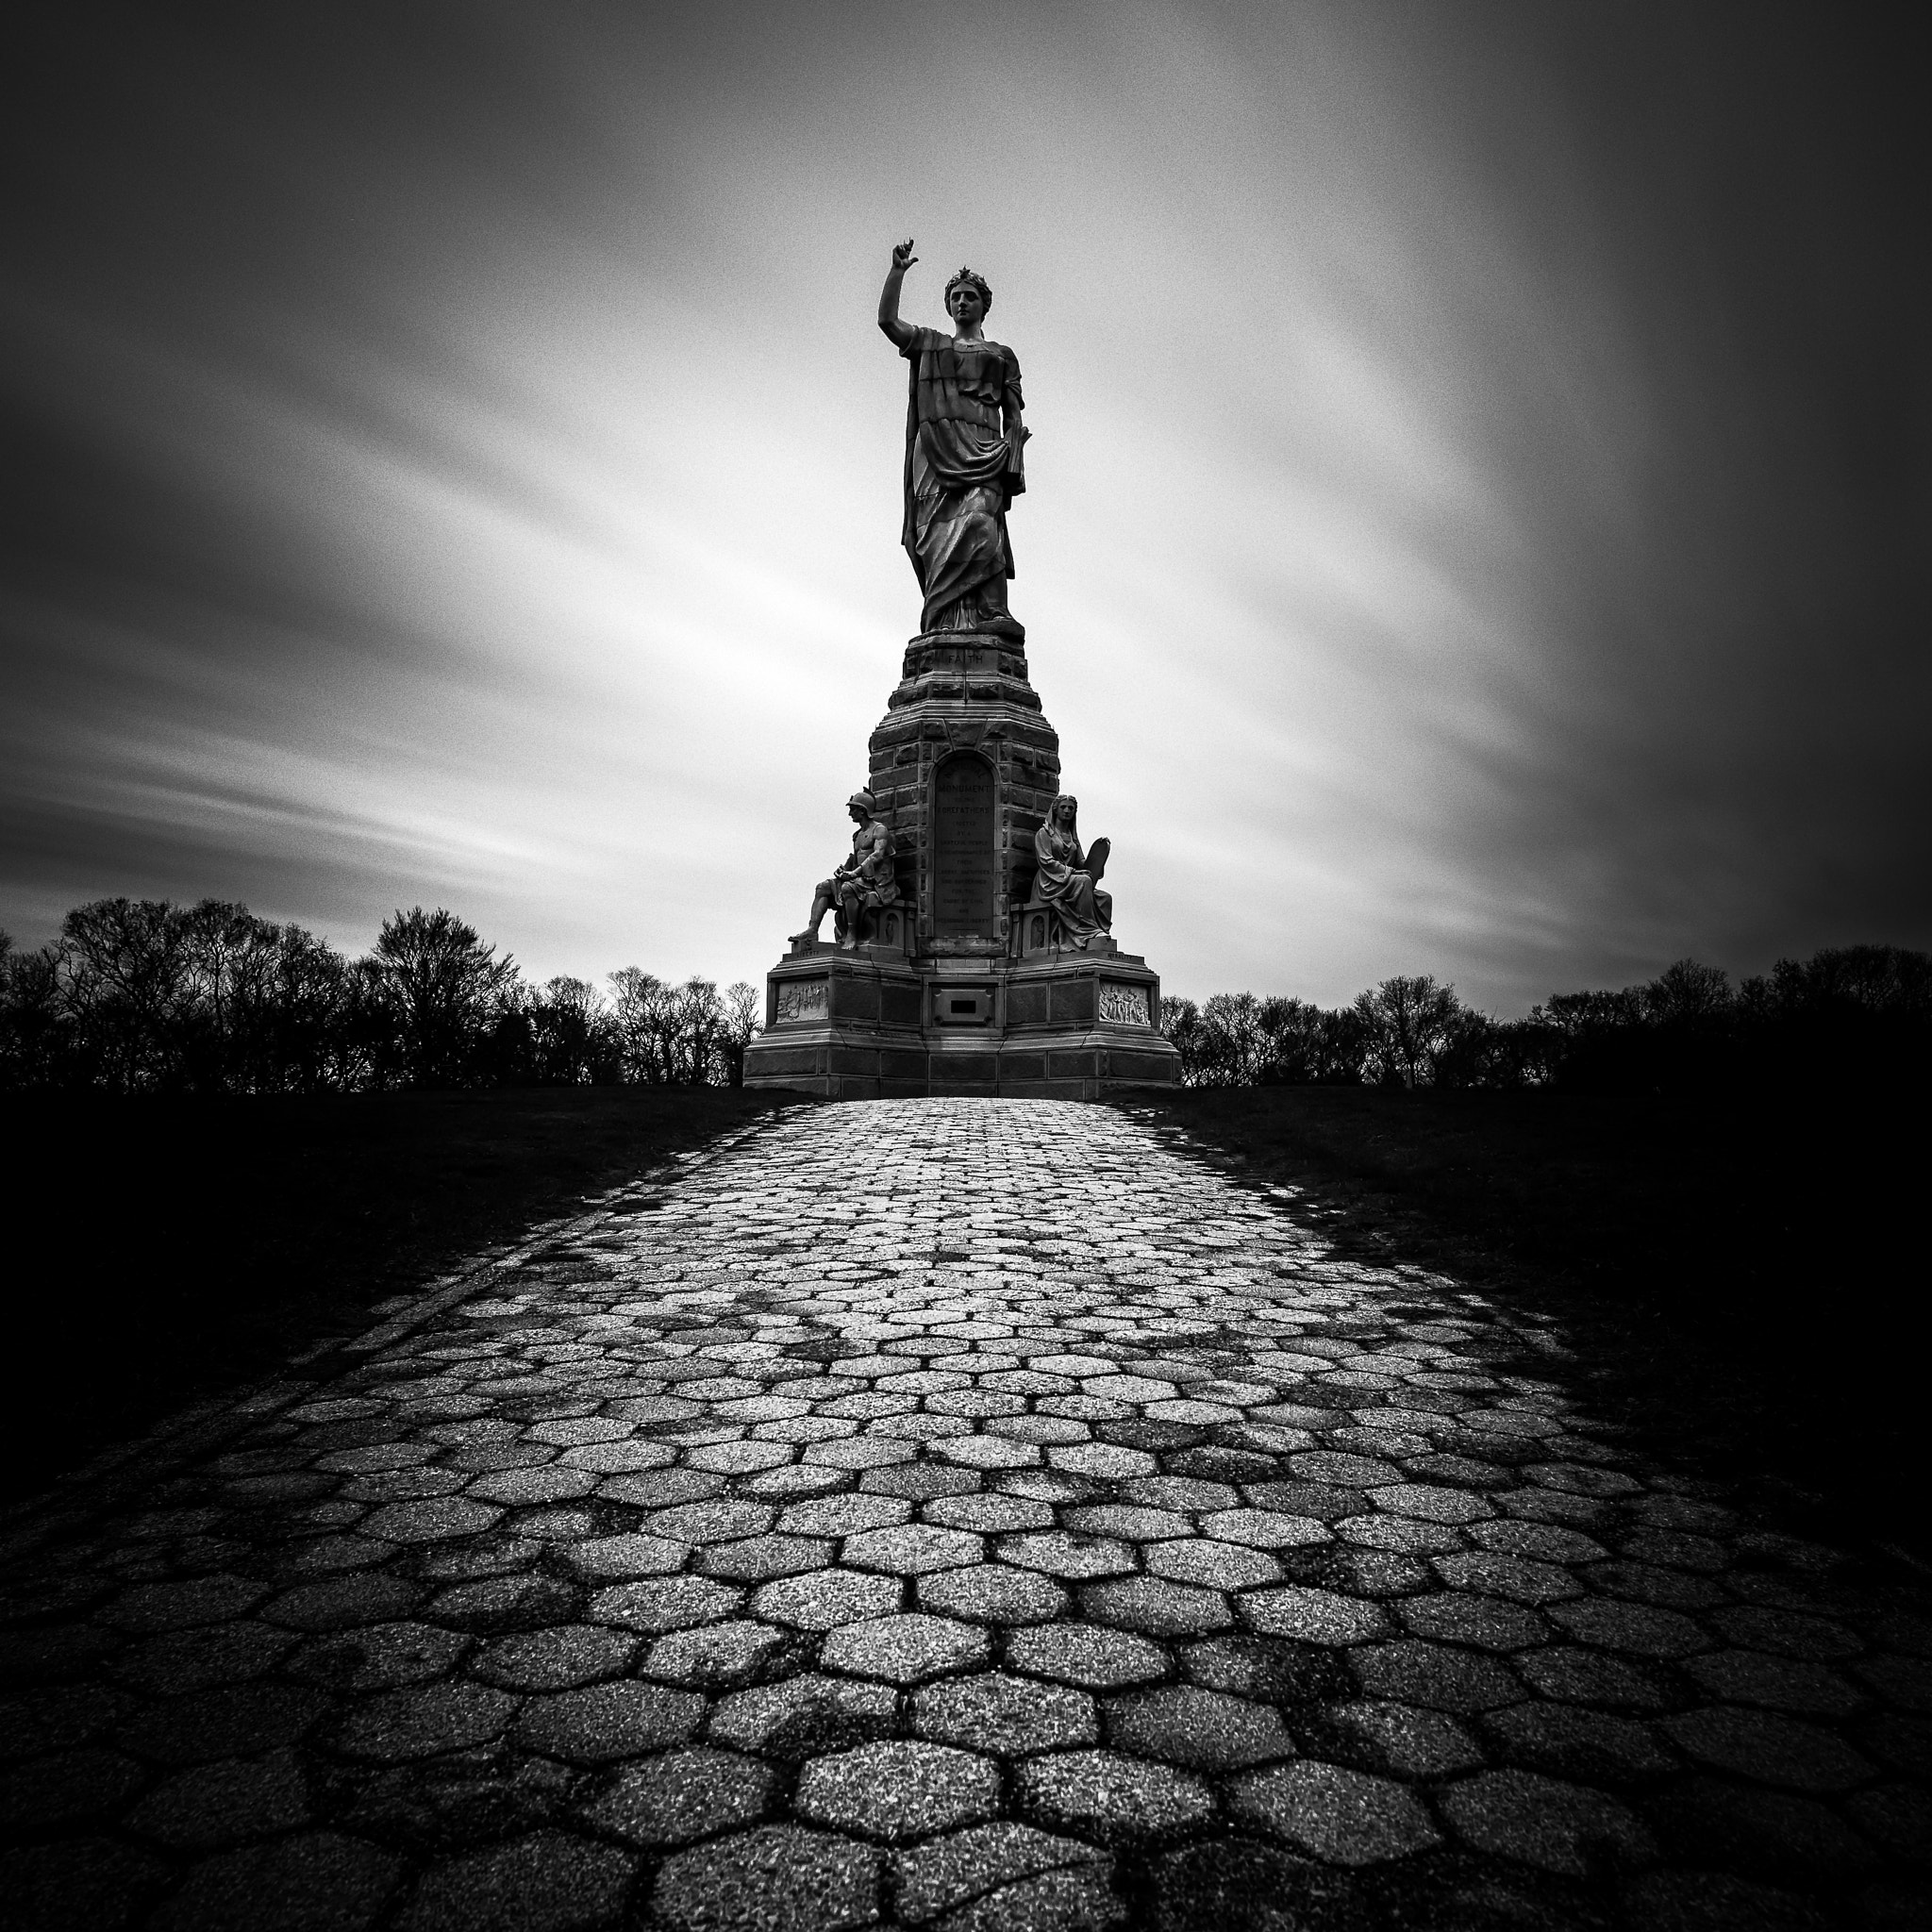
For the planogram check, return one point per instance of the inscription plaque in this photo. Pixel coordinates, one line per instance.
(965, 858)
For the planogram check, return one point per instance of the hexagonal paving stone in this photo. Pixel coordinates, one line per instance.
(547, 1882)
(424, 1721)
(667, 1603)
(1109, 1797)
(778, 1878)
(844, 1515)
(904, 1649)
(1213, 1565)
(560, 1658)
(603, 1558)
(1340, 1816)
(1059, 1553)
(1155, 1606)
(1772, 1748)
(992, 1593)
(824, 1599)
(758, 1559)
(986, 1513)
(898, 1789)
(1206, 1730)
(1412, 1741)
(713, 1654)
(1086, 1654)
(1007, 1716)
(277, 1884)
(1564, 1828)
(912, 1548)
(684, 1795)
(948, 1872)
(608, 1720)
(1312, 1615)
(1435, 1676)
(803, 1716)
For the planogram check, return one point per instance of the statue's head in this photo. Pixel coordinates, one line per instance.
(861, 806)
(968, 284)
(1066, 808)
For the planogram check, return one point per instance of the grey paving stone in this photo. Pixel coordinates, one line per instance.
(1205, 1730)
(423, 1720)
(604, 1559)
(945, 1874)
(777, 1878)
(991, 1593)
(1340, 1816)
(713, 1654)
(1433, 1676)
(608, 1720)
(824, 1599)
(1086, 1654)
(1485, 1623)
(803, 1716)
(1154, 1604)
(1109, 1797)
(548, 1882)
(1769, 1747)
(504, 1603)
(1781, 1683)
(1004, 1715)
(1632, 1628)
(1273, 1668)
(911, 1549)
(319, 1882)
(758, 1559)
(1410, 1740)
(1312, 1615)
(560, 1658)
(1065, 1553)
(670, 1602)
(899, 1791)
(1567, 1741)
(904, 1649)
(684, 1795)
(1565, 1828)
(1716, 1902)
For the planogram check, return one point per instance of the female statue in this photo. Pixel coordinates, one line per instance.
(964, 456)
(1067, 878)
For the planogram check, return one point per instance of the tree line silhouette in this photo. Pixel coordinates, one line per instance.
(1857, 1015)
(145, 996)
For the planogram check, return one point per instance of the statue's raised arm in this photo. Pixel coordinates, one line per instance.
(965, 462)
(903, 258)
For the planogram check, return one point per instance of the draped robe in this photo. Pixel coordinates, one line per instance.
(964, 468)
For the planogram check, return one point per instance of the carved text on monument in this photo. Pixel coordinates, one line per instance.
(964, 863)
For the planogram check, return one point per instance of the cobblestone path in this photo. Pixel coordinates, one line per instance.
(957, 1514)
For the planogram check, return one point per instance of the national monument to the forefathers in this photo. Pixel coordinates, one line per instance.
(971, 948)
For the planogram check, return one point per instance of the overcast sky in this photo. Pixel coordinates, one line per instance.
(1478, 494)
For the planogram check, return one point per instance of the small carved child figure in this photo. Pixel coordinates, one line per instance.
(861, 885)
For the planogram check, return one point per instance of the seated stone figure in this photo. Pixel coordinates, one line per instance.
(1067, 878)
(861, 885)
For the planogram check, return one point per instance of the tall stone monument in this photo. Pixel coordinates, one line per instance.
(971, 949)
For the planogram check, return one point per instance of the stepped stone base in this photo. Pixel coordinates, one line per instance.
(960, 987)
(871, 1024)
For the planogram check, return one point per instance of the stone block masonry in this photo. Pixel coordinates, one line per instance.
(950, 1513)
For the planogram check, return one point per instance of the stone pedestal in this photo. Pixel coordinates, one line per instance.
(959, 991)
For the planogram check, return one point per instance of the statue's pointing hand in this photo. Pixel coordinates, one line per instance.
(902, 256)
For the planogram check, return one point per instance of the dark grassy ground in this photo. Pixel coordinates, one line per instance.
(1744, 1279)
(159, 1249)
